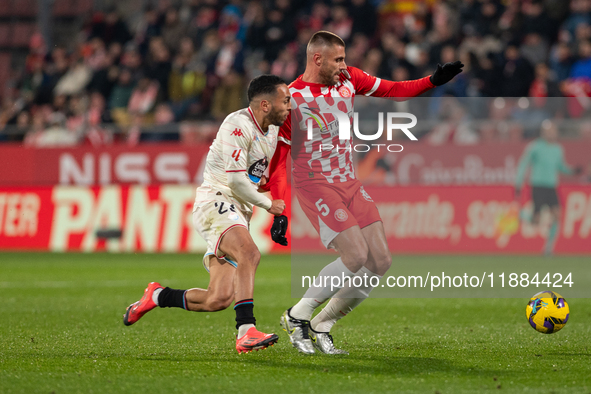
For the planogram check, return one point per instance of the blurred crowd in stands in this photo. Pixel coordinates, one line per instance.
(176, 69)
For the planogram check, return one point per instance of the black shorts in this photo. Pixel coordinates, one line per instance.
(544, 196)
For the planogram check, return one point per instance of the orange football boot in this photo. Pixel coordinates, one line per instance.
(138, 309)
(255, 340)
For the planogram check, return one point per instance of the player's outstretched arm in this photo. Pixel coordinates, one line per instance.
(371, 86)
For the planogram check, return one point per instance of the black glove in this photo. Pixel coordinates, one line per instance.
(445, 73)
(279, 229)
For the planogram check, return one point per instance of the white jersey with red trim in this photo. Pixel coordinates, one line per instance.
(240, 146)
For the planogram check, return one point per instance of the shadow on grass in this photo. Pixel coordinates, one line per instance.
(375, 365)
(346, 365)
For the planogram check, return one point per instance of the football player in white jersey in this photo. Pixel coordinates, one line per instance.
(234, 169)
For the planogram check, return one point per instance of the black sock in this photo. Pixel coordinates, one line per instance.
(244, 313)
(171, 298)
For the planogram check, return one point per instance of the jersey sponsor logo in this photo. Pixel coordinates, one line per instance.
(365, 195)
(344, 91)
(237, 132)
(315, 114)
(257, 169)
(341, 215)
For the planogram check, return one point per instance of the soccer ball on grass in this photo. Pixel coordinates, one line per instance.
(547, 312)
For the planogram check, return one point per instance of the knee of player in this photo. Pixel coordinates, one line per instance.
(355, 259)
(250, 256)
(385, 262)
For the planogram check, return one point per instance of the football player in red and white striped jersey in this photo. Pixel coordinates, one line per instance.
(342, 212)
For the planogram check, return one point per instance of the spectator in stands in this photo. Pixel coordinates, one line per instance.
(454, 126)
(561, 61)
(34, 79)
(231, 23)
(278, 33)
(517, 73)
(204, 22)
(536, 21)
(104, 77)
(544, 84)
(159, 65)
(229, 95)
(582, 67)
(95, 54)
(110, 28)
(487, 18)
(36, 129)
(164, 128)
(119, 98)
(361, 12)
(229, 57)
(187, 79)
(55, 67)
(74, 81)
(372, 62)
(23, 123)
(143, 97)
(394, 57)
(286, 65)
(579, 13)
(56, 134)
(340, 24)
(173, 30)
(534, 48)
(236, 40)
(255, 22)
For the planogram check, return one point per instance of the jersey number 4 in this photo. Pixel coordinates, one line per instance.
(236, 154)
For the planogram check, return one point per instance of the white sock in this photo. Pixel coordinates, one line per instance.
(345, 300)
(243, 328)
(155, 295)
(317, 295)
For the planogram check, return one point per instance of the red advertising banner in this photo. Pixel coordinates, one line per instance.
(465, 220)
(151, 219)
(117, 164)
(418, 164)
(158, 219)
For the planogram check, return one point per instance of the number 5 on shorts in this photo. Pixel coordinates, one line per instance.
(322, 208)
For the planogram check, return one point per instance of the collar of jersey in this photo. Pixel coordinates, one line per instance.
(319, 85)
(256, 123)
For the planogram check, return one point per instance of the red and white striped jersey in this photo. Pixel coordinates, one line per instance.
(239, 146)
(312, 103)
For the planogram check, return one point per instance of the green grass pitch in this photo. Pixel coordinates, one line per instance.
(61, 331)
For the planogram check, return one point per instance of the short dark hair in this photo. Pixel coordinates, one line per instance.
(324, 37)
(263, 84)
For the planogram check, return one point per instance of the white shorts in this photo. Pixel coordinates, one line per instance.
(213, 217)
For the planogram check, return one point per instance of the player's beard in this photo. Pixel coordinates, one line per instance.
(326, 76)
(275, 118)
